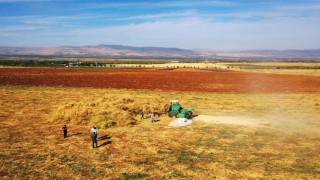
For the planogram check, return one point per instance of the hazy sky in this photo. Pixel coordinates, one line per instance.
(222, 25)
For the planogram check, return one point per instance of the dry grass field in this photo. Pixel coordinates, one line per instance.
(293, 68)
(282, 143)
(297, 68)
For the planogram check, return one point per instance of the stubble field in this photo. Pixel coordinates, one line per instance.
(279, 138)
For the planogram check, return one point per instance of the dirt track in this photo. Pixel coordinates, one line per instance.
(159, 79)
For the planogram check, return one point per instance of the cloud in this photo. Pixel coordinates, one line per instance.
(185, 32)
(266, 27)
(197, 32)
(167, 15)
(158, 4)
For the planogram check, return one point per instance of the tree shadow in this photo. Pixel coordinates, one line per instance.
(75, 134)
(156, 120)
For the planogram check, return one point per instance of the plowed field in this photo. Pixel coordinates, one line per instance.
(196, 80)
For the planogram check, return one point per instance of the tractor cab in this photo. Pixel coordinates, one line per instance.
(176, 110)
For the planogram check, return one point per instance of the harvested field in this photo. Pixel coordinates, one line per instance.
(280, 147)
(250, 126)
(195, 80)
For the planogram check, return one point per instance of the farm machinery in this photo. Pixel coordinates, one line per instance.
(176, 110)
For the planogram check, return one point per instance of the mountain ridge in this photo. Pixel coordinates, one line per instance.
(150, 51)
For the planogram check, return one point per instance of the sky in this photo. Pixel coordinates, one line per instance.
(188, 24)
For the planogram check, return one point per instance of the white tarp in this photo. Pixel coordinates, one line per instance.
(180, 122)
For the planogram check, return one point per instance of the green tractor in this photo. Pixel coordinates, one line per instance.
(176, 110)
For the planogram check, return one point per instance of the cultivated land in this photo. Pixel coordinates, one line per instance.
(166, 79)
(247, 125)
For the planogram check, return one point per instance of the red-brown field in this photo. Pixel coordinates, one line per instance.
(195, 80)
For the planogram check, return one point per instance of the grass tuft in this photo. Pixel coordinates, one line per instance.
(135, 175)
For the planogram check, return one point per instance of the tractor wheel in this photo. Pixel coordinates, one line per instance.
(189, 115)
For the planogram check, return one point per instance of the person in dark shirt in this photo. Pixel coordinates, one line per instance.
(142, 115)
(65, 131)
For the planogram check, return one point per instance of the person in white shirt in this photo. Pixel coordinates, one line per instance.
(152, 117)
(94, 129)
(94, 136)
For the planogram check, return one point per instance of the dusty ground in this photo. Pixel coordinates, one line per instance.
(291, 125)
(192, 80)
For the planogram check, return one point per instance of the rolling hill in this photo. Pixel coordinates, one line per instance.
(131, 51)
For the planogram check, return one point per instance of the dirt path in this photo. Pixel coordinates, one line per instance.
(234, 120)
(283, 124)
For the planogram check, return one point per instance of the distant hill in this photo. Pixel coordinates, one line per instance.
(268, 54)
(311, 53)
(101, 50)
(131, 51)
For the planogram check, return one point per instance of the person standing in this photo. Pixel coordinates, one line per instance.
(142, 115)
(65, 131)
(152, 117)
(94, 136)
(94, 129)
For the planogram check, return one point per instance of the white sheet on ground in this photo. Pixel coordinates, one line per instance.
(180, 122)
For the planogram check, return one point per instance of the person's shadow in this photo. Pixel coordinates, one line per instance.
(156, 120)
(75, 134)
(105, 143)
(104, 137)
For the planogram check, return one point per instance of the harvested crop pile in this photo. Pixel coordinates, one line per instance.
(107, 111)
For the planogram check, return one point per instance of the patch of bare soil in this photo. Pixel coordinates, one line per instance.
(234, 120)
